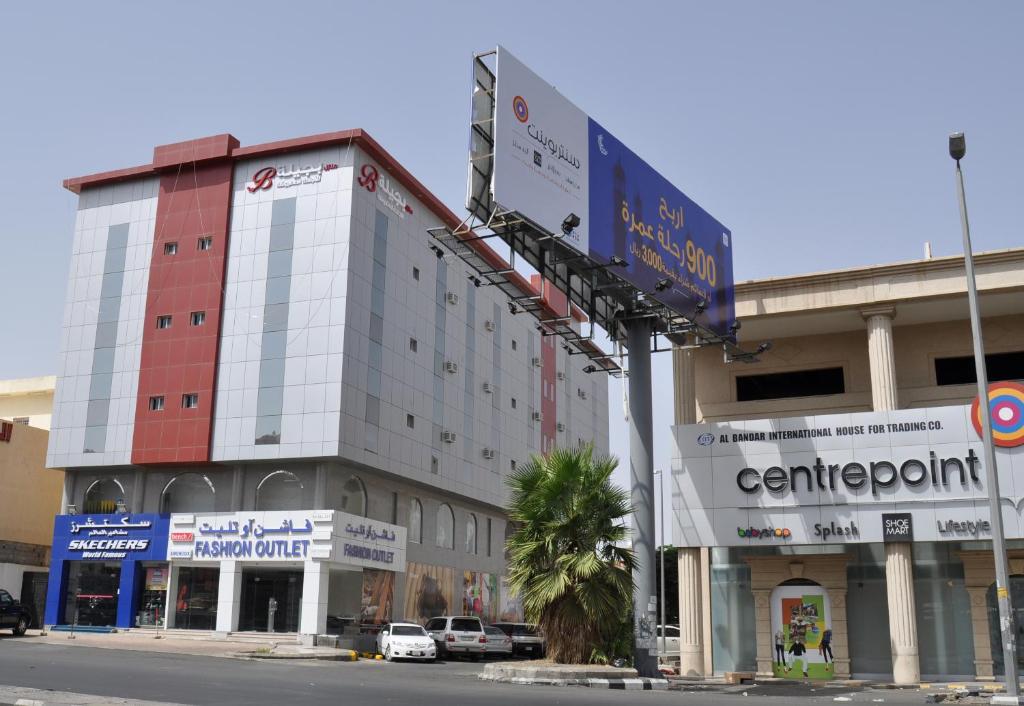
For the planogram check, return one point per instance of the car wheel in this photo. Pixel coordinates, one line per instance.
(22, 627)
(387, 654)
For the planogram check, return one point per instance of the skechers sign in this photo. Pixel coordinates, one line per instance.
(913, 475)
(109, 537)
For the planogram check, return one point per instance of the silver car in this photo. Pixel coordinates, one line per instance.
(498, 643)
(526, 639)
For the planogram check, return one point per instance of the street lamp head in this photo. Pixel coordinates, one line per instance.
(957, 146)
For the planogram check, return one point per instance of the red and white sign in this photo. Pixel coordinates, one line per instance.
(286, 176)
(376, 183)
(182, 536)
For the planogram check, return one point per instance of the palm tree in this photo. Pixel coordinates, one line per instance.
(567, 558)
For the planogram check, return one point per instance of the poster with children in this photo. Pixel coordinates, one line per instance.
(801, 634)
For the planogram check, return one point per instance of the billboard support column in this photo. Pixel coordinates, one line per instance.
(641, 473)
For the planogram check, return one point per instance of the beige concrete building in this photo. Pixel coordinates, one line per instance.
(28, 400)
(871, 367)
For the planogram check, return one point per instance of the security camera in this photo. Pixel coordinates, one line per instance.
(957, 146)
(701, 306)
(570, 223)
(512, 308)
(662, 284)
(590, 369)
(617, 261)
(764, 347)
(734, 327)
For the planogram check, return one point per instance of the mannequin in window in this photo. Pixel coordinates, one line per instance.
(780, 648)
(797, 649)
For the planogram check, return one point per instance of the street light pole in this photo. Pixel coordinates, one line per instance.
(957, 150)
(661, 553)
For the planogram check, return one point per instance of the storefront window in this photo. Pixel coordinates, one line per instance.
(867, 611)
(195, 601)
(152, 609)
(91, 597)
(943, 611)
(995, 637)
(270, 600)
(733, 637)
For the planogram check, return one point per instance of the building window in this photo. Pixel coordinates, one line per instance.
(20, 420)
(471, 534)
(800, 383)
(156, 404)
(170, 248)
(416, 273)
(280, 490)
(198, 318)
(190, 400)
(512, 464)
(415, 521)
(514, 344)
(434, 465)
(445, 527)
(103, 496)
(188, 492)
(205, 243)
(353, 497)
(413, 345)
(513, 403)
(410, 421)
(163, 321)
(960, 369)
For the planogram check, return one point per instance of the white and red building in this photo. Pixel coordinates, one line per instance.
(265, 329)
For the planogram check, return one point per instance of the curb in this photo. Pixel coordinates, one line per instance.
(346, 656)
(636, 684)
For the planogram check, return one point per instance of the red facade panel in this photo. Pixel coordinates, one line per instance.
(181, 359)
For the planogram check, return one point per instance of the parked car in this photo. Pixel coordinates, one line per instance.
(668, 648)
(498, 643)
(526, 638)
(458, 635)
(13, 615)
(405, 641)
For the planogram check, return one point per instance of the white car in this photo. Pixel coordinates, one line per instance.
(668, 641)
(405, 641)
(498, 643)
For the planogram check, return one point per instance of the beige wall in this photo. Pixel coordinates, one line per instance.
(28, 397)
(916, 348)
(31, 493)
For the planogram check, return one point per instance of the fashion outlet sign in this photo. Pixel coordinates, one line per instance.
(830, 479)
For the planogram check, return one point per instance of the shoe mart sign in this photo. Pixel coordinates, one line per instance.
(811, 475)
(287, 536)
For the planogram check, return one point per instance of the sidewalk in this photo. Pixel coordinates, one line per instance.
(202, 644)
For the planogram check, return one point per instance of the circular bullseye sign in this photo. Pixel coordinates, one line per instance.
(1006, 402)
(520, 108)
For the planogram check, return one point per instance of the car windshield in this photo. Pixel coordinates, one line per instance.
(408, 631)
(466, 625)
(524, 630)
(494, 631)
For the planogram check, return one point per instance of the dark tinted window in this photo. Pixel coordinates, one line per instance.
(801, 383)
(466, 625)
(407, 630)
(960, 370)
(504, 627)
(524, 630)
(436, 624)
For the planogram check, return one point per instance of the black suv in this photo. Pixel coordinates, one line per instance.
(13, 614)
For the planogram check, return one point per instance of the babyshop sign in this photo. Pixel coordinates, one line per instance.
(903, 475)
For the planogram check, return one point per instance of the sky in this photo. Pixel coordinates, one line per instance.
(815, 131)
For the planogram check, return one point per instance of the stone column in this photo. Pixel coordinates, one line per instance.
(881, 357)
(320, 487)
(983, 667)
(899, 581)
(763, 628)
(229, 597)
(313, 613)
(705, 602)
(684, 371)
(237, 488)
(840, 634)
(138, 496)
(691, 649)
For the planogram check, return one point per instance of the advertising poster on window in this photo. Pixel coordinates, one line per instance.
(156, 578)
(801, 632)
(479, 595)
(378, 595)
(511, 606)
(428, 591)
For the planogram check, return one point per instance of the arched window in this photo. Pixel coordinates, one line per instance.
(102, 496)
(445, 527)
(415, 521)
(353, 497)
(471, 533)
(280, 490)
(188, 492)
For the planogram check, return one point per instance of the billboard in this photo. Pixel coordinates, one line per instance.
(902, 475)
(552, 160)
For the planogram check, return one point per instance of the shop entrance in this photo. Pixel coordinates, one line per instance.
(995, 639)
(800, 621)
(270, 600)
(91, 597)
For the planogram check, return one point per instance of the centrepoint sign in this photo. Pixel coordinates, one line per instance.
(905, 475)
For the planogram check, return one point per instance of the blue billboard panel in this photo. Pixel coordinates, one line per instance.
(674, 250)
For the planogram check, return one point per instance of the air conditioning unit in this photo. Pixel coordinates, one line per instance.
(537, 362)
(560, 375)
(448, 436)
(538, 417)
(451, 366)
(560, 426)
(488, 387)
(489, 453)
(453, 298)
(489, 325)
(582, 394)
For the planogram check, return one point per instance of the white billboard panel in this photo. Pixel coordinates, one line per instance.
(838, 479)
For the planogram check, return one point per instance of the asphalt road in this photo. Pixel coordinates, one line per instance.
(223, 682)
